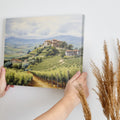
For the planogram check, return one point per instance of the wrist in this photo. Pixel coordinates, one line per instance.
(70, 100)
(67, 105)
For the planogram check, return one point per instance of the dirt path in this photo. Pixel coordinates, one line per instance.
(37, 82)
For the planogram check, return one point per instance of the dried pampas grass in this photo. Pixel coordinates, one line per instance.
(108, 84)
(86, 110)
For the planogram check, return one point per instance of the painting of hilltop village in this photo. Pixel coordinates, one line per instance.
(43, 51)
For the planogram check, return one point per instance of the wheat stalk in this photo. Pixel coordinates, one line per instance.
(108, 84)
(86, 109)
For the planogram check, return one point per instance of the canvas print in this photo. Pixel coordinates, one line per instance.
(43, 51)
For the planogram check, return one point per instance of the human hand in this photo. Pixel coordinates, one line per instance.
(71, 99)
(71, 93)
(3, 85)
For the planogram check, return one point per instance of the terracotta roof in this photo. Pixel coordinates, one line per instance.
(16, 60)
(71, 50)
(47, 40)
(75, 50)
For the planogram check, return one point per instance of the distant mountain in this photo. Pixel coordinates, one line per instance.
(20, 41)
(76, 41)
(14, 45)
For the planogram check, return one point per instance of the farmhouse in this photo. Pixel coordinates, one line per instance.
(54, 43)
(47, 43)
(72, 52)
(16, 61)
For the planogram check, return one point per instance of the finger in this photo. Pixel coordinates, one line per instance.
(0, 71)
(75, 76)
(7, 88)
(3, 73)
(83, 76)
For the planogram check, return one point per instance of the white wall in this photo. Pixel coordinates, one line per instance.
(102, 22)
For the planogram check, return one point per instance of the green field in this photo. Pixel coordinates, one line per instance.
(54, 62)
(46, 63)
(18, 77)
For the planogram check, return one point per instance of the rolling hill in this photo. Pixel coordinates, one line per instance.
(17, 46)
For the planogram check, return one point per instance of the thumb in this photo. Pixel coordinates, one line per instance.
(2, 73)
(75, 76)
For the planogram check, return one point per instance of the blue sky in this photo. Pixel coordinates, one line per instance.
(44, 27)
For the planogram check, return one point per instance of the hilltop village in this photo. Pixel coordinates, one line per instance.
(58, 43)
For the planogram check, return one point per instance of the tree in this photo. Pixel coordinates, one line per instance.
(38, 59)
(32, 62)
(52, 51)
(70, 47)
(63, 45)
(24, 66)
(55, 50)
(28, 51)
(17, 65)
(8, 64)
(35, 47)
(62, 54)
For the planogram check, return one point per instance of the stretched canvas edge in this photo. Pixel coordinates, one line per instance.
(82, 52)
(3, 40)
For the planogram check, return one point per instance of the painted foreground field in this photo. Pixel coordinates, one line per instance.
(37, 82)
(49, 78)
(28, 78)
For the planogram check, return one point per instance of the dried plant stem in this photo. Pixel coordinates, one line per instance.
(108, 85)
(86, 110)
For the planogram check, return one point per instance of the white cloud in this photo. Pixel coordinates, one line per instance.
(44, 27)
